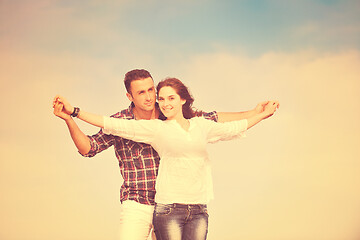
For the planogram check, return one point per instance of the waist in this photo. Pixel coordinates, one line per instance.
(182, 205)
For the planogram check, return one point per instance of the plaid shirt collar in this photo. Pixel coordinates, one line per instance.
(129, 112)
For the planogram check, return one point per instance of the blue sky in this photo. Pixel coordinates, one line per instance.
(255, 27)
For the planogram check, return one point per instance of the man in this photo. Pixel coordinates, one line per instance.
(138, 162)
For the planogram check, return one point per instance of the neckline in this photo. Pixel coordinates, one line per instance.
(178, 124)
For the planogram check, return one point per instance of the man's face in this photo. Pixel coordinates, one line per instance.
(143, 94)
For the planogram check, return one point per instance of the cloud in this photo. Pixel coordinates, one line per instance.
(306, 146)
(305, 76)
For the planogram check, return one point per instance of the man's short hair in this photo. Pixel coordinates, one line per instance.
(133, 75)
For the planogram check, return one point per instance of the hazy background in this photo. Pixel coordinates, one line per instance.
(295, 176)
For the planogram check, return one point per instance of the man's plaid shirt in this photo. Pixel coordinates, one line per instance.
(138, 162)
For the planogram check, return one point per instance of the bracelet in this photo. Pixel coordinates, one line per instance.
(75, 112)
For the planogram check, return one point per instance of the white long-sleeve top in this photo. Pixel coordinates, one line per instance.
(184, 173)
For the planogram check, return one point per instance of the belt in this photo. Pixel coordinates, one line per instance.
(187, 206)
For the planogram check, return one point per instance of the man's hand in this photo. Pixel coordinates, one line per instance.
(270, 108)
(260, 107)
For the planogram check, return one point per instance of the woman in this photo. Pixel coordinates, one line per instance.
(184, 185)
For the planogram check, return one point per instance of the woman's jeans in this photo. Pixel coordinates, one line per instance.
(180, 221)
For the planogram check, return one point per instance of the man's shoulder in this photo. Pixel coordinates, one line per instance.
(125, 114)
(200, 120)
(207, 115)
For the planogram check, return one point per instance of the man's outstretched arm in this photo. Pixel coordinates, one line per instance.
(63, 109)
(269, 109)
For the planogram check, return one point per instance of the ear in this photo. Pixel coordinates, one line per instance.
(129, 97)
(183, 101)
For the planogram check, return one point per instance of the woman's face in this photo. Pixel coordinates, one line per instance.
(170, 103)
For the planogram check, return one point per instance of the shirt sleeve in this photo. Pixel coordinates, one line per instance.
(98, 143)
(135, 130)
(213, 116)
(224, 131)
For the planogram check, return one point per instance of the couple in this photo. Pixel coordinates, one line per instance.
(183, 186)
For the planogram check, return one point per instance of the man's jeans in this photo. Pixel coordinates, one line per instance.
(136, 221)
(180, 221)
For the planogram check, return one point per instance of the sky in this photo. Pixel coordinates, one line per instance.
(295, 175)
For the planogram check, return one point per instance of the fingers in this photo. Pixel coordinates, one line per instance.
(57, 99)
(54, 100)
(270, 103)
(58, 108)
(275, 103)
(272, 106)
(263, 104)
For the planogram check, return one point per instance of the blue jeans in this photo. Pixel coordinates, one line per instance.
(180, 221)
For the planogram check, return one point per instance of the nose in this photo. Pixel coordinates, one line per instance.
(165, 103)
(148, 96)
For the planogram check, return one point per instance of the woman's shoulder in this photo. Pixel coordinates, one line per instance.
(151, 121)
(200, 120)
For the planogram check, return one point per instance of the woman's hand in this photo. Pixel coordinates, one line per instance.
(62, 108)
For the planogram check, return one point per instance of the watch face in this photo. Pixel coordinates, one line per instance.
(75, 112)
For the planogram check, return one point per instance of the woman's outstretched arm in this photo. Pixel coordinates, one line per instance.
(136, 130)
(91, 118)
(61, 106)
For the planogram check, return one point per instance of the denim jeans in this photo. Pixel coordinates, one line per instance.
(180, 221)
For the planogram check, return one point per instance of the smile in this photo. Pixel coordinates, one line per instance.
(148, 103)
